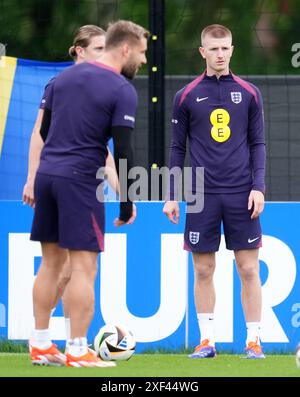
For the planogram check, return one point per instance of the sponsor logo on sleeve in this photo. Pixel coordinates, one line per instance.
(130, 118)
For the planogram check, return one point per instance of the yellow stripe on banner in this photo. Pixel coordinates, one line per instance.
(7, 74)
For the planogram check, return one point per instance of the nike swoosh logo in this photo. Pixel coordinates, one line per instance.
(252, 240)
(201, 99)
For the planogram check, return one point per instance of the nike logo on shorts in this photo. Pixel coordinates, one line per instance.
(253, 239)
(201, 99)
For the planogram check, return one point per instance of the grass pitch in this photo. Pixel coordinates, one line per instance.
(159, 365)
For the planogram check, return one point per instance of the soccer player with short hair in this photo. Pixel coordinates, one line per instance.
(222, 117)
(88, 45)
(87, 105)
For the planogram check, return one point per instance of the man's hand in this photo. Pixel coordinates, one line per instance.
(171, 210)
(256, 201)
(118, 222)
(28, 195)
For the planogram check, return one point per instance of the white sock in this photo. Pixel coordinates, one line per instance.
(41, 339)
(52, 311)
(77, 347)
(68, 332)
(253, 332)
(206, 327)
(68, 328)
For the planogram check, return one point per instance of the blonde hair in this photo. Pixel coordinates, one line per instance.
(216, 31)
(83, 38)
(121, 31)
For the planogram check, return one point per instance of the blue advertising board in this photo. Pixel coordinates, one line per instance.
(145, 281)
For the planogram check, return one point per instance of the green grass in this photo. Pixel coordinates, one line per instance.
(8, 346)
(159, 365)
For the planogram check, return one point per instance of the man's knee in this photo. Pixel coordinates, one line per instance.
(85, 263)
(248, 270)
(54, 257)
(66, 273)
(63, 281)
(204, 267)
(247, 264)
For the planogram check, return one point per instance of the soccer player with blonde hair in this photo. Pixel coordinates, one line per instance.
(86, 105)
(222, 117)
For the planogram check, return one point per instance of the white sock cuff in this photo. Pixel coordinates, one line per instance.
(206, 327)
(205, 316)
(253, 332)
(41, 333)
(77, 347)
(68, 327)
(79, 341)
(253, 324)
(40, 338)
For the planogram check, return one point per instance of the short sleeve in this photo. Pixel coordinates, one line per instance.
(47, 96)
(125, 107)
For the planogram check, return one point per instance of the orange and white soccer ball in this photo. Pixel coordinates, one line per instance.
(114, 342)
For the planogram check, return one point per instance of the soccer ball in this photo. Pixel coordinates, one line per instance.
(114, 342)
(298, 356)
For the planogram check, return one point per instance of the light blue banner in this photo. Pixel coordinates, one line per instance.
(28, 85)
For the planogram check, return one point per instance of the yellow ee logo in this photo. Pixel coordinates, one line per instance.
(220, 131)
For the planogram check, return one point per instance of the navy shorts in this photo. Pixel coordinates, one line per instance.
(203, 229)
(67, 212)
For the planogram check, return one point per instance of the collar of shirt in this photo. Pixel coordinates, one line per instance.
(104, 66)
(225, 77)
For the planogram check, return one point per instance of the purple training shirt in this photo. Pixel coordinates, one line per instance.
(223, 121)
(86, 100)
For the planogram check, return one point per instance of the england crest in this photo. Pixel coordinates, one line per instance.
(194, 237)
(236, 97)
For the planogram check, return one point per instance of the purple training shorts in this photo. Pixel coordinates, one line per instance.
(203, 229)
(67, 212)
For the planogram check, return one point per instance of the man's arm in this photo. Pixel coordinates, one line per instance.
(180, 127)
(35, 148)
(38, 137)
(256, 139)
(123, 150)
(111, 172)
(113, 180)
(123, 121)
